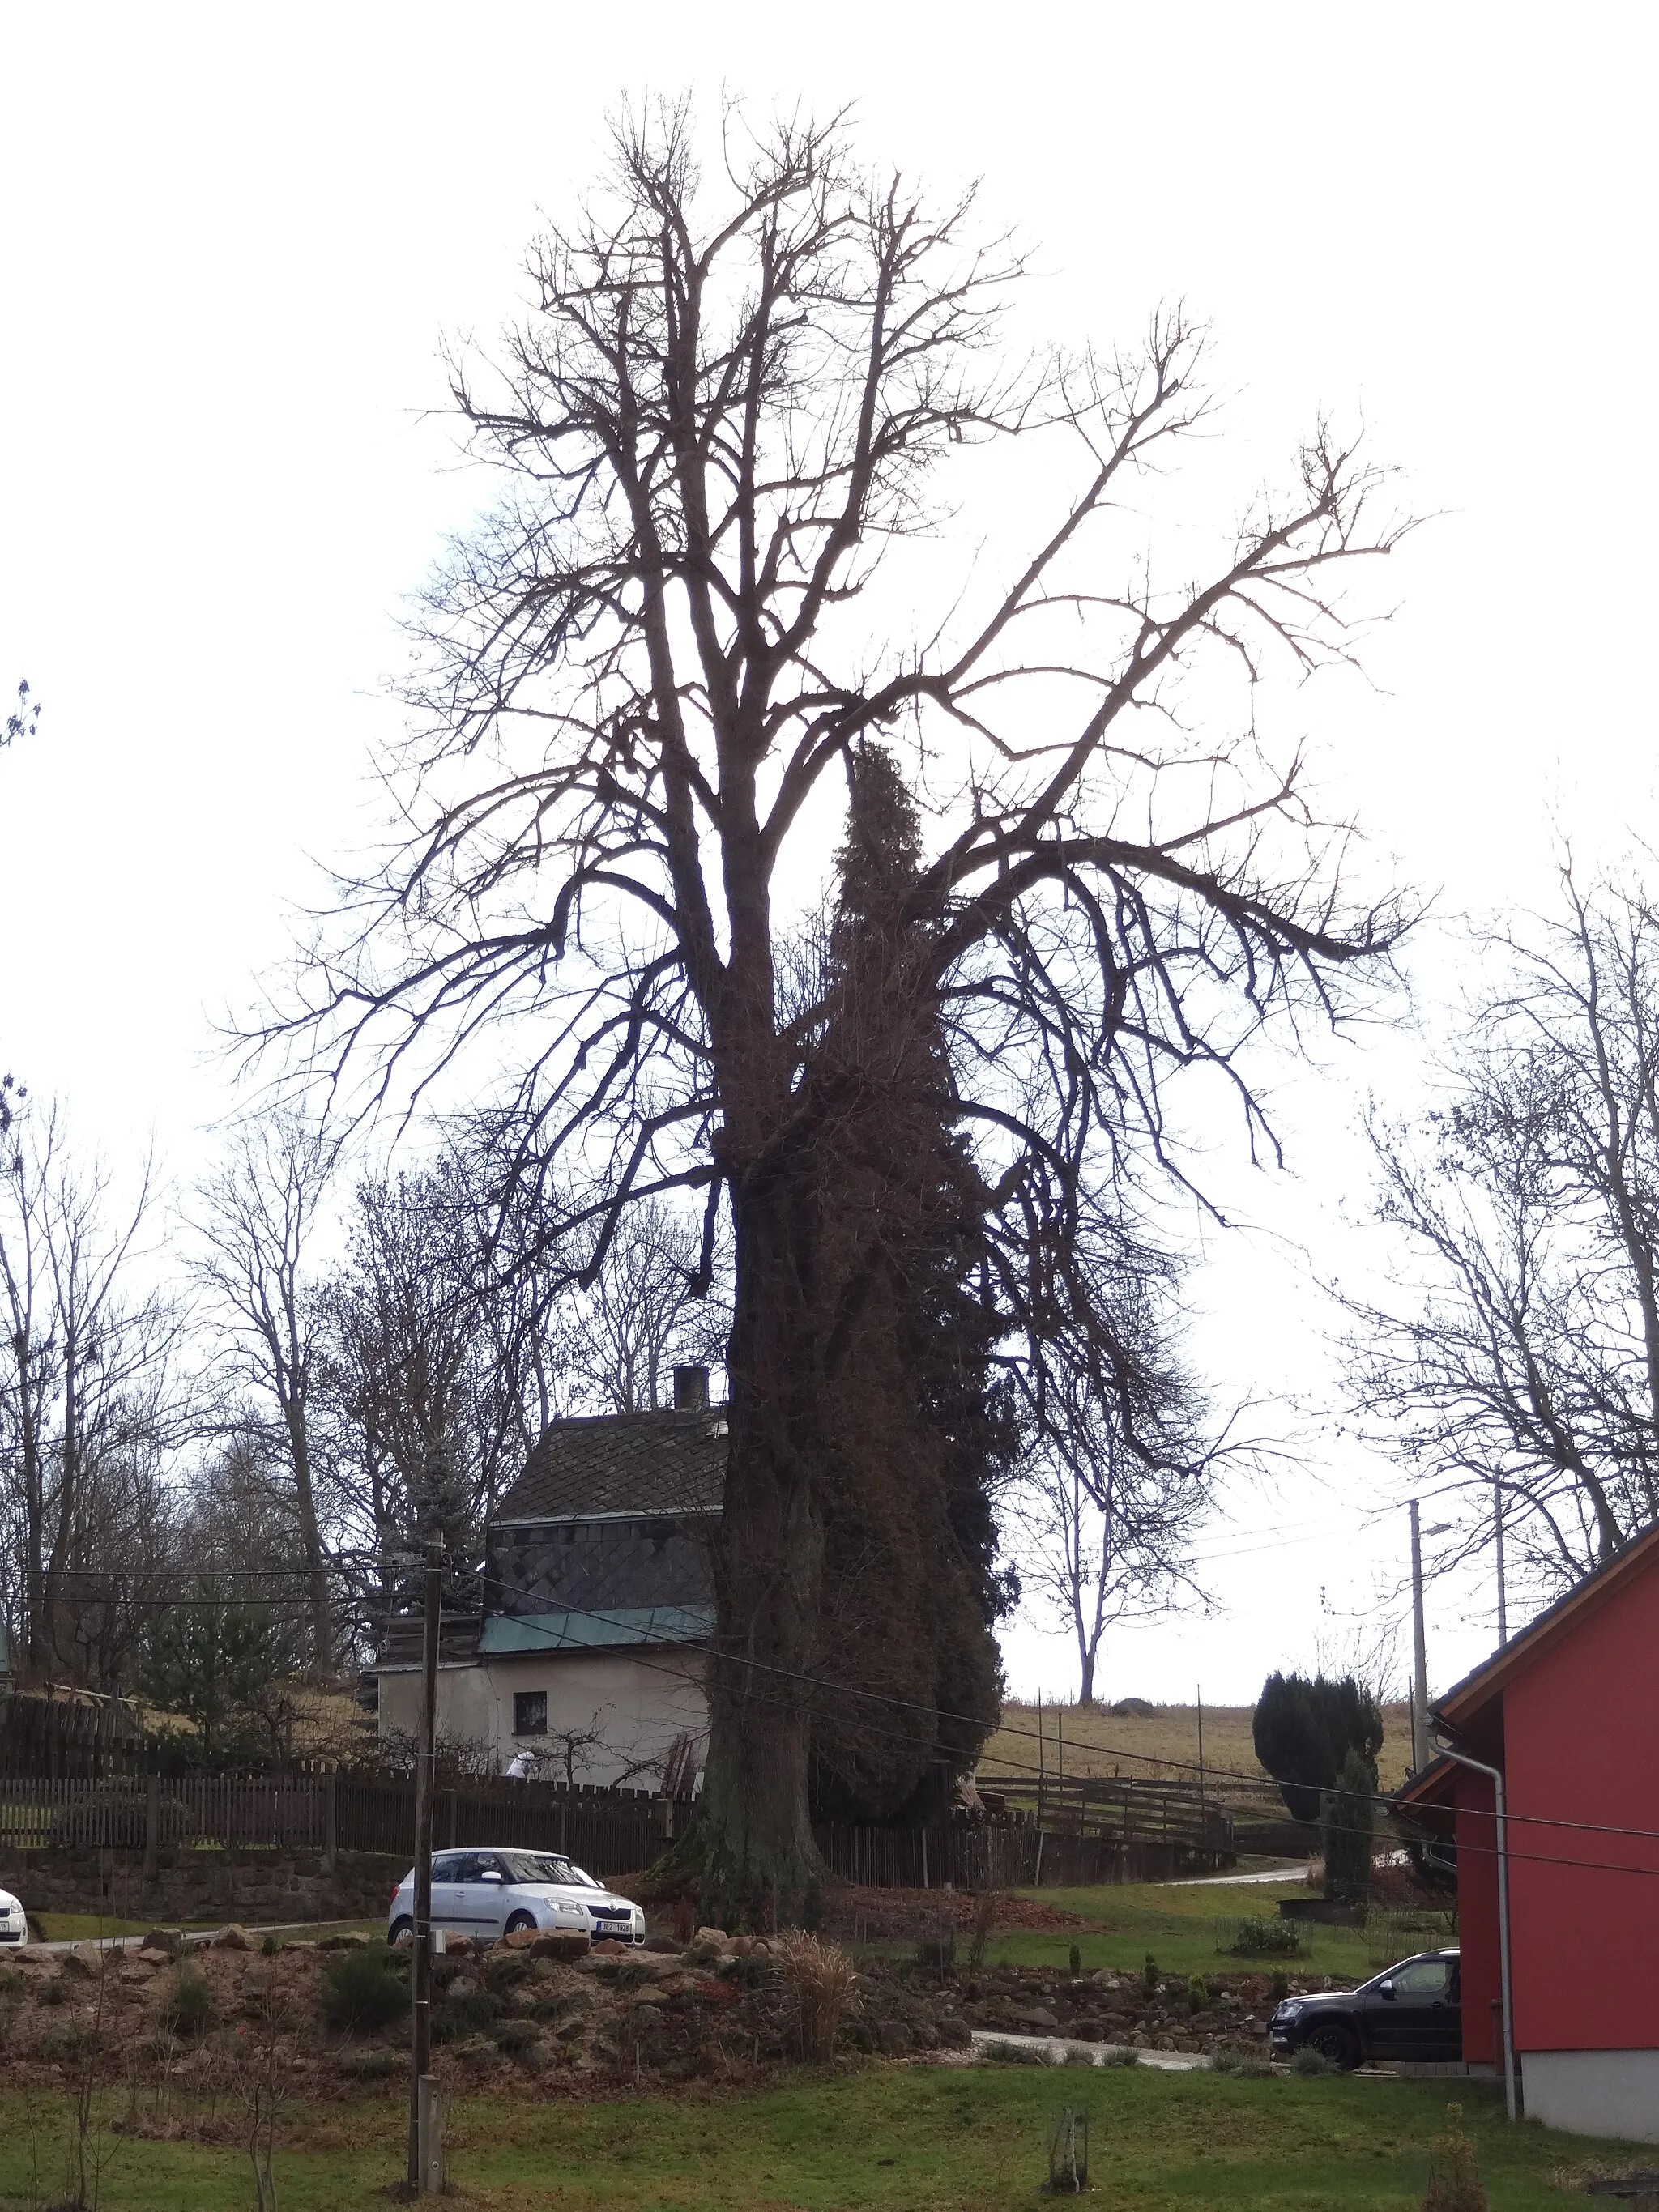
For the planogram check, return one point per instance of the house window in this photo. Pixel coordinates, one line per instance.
(530, 1712)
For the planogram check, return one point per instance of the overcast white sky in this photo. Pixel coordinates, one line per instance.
(232, 242)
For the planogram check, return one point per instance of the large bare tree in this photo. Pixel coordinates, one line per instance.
(1515, 1363)
(730, 406)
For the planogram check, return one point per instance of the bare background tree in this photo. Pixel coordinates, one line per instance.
(648, 1309)
(258, 1222)
(92, 1408)
(1518, 1367)
(1120, 1474)
(730, 405)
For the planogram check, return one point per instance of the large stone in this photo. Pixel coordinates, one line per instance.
(1037, 2019)
(233, 1938)
(167, 1943)
(560, 1943)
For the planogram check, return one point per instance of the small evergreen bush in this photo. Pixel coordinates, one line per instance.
(1455, 2183)
(187, 2007)
(1198, 1994)
(1075, 1961)
(1149, 1976)
(365, 1990)
(1307, 2061)
(1278, 1986)
(1255, 1936)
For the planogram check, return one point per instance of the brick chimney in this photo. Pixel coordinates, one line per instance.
(690, 1389)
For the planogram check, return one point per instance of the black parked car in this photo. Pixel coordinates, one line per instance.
(1413, 2010)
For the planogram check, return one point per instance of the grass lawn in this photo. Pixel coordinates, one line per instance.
(85, 1927)
(910, 2140)
(1179, 1925)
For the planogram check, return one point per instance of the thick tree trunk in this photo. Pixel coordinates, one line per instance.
(755, 1838)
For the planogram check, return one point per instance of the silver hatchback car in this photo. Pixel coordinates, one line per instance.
(496, 1893)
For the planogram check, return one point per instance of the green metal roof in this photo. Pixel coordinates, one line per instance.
(615, 1628)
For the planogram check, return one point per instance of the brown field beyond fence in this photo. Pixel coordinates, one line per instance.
(1032, 1747)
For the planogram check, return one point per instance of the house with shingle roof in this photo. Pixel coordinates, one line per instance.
(597, 1604)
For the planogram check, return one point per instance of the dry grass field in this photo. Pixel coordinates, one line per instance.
(1093, 1739)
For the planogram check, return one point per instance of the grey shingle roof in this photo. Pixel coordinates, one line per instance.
(633, 1463)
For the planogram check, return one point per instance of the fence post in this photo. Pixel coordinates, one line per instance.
(152, 1823)
(331, 1821)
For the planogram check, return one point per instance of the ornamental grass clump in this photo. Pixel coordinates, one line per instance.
(1455, 2183)
(819, 1977)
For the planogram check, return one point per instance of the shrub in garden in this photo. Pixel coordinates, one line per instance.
(1198, 1994)
(819, 1977)
(1257, 1937)
(1075, 1961)
(365, 1990)
(187, 2007)
(1307, 2061)
(1455, 2183)
(1149, 1976)
(1278, 1986)
(465, 2012)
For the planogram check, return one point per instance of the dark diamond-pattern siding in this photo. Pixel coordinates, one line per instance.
(594, 1565)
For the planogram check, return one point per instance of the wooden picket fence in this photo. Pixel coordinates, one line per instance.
(609, 1832)
(1120, 1808)
(996, 1855)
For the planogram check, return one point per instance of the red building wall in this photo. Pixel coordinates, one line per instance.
(1581, 1733)
(1481, 1974)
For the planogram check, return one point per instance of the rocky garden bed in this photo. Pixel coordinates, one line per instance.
(189, 2026)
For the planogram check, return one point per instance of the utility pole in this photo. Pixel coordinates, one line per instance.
(1419, 1653)
(422, 2100)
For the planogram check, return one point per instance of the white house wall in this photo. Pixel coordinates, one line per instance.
(636, 1705)
(1595, 2092)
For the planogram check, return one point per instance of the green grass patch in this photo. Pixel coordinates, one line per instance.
(87, 1927)
(936, 2140)
(1180, 1926)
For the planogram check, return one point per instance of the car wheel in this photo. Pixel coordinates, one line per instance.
(399, 1929)
(521, 1920)
(1333, 2039)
